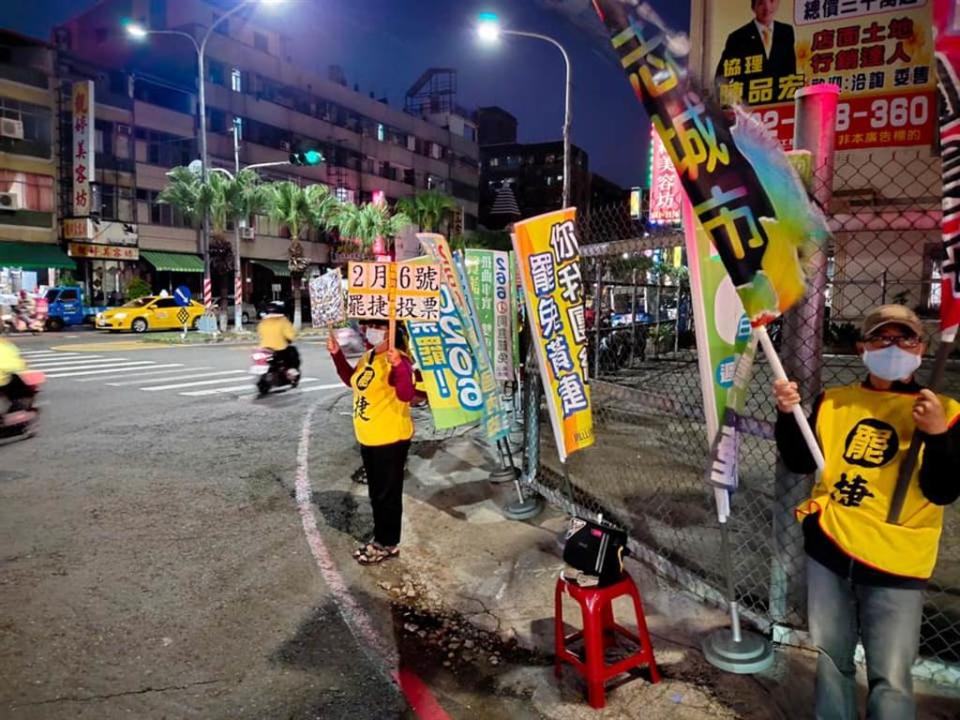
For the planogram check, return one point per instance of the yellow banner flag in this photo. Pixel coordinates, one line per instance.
(548, 256)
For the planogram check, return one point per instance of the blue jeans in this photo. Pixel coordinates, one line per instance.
(888, 622)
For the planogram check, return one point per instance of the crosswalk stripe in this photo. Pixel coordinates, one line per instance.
(56, 356)
(60, 372)
(249, 387)
(108, 371)
(34, 353)
(140, 379)
(76, 365)
(143, 383)
(177, 386)
(73, 361)
(314, 388)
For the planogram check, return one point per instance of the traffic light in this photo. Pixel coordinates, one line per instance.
(306, 157)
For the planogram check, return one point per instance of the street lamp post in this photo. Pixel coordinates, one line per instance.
(489, 30)
(139, 32)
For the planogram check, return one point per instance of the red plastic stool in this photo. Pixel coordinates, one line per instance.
(600, 632)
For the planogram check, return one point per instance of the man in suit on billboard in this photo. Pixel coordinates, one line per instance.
(763, 48)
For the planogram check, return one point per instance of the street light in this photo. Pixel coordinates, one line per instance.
(138, 32)
(489, 31)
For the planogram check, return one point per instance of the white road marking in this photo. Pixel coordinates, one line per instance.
(78, 373)
(177, 375)
(325, 387)
(249, 387)
(91, 360)
(177, 386)
(34, 353)
(108, 371)
(76, 365)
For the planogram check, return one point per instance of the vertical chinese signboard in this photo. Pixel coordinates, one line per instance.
(489, 274)
(879, 52)
(548, 255)
(666, 193)
(494, 418)
(84, 151)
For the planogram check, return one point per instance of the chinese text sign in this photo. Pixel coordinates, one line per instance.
(84, 152)
(548, 256)
(878, 52)
(393, 291)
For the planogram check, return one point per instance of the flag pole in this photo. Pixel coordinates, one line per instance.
(780, 374)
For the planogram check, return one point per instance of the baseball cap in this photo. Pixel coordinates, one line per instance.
(891, 315)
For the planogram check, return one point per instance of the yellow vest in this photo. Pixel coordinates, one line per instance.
(379, 417)
(865, 435)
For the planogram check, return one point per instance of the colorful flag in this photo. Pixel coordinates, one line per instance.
(548, 256)
(489, 274)
(447, 364)
(494, 417)
(744, 191)
(947, 20)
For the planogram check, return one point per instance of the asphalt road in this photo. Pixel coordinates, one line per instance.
(152, 560)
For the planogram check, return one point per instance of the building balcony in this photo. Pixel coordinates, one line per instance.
(25, 76)
(29, 148)
(27, 218)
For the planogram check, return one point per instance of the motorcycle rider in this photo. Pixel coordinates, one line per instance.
(26, 309)
(277, 333)
(11, 365)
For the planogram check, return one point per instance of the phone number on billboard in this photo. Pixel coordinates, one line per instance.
(865, 122)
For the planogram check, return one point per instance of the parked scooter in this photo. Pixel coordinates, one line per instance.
(20, 422)
(271, 371)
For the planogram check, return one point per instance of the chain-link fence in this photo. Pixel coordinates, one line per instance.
(647, 469)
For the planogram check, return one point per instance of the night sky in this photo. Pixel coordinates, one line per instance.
(384, 45)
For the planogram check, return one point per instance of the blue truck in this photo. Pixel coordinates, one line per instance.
(66, 305)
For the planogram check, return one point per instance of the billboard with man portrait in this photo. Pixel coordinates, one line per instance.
(879, 52)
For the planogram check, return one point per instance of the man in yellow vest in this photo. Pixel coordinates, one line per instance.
(865, 576)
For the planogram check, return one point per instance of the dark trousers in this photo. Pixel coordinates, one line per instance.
(385, 467)
(289, 357)
(16, 391)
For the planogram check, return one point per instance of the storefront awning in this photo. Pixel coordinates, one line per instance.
(34, 256)
(279, 268)
(173, 262)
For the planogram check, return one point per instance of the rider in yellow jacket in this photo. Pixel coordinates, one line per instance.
(11, 365)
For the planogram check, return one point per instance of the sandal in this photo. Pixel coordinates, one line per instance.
(376, 554)
(365, 548)
(359, 475)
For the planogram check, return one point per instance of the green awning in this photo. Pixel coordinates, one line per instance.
(34, 256)
(280, 268)
(173, 262)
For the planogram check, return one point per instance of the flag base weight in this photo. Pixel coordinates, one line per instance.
(504, 475)
(753, 654)
(523, 508)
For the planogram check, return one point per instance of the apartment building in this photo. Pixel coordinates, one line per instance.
(145, 120)
(28, 229)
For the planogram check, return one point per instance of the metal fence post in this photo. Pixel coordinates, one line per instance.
(802, 350)
(598, 317)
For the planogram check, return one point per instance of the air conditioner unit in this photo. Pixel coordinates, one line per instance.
(9, 200)
(11, 128)
(248, 233)
(123, 129)
(285, 146)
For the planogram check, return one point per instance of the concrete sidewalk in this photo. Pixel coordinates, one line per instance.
(476, 590)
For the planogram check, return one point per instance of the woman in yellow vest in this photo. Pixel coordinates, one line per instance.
(383, 387)
(865, 576)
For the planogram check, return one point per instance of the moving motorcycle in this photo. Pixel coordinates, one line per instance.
(271, 370)
(19, 422)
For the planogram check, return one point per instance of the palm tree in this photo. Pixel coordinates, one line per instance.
(428, 209)
(290, 206)
(370, 223)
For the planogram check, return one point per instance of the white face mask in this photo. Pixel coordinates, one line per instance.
(375, 336)
(891, 363)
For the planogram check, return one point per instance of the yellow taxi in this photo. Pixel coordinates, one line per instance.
(150, 313)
